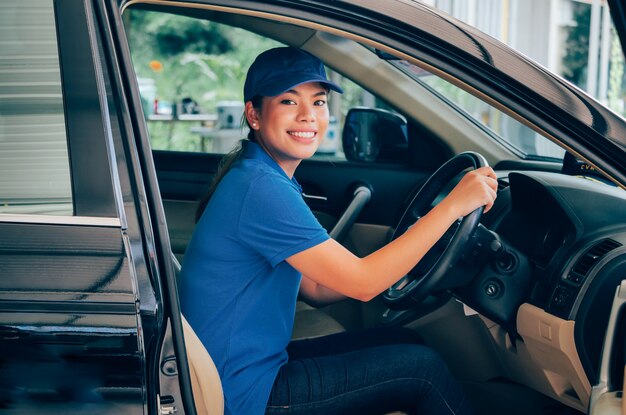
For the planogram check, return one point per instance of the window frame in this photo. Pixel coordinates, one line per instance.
(93, 191)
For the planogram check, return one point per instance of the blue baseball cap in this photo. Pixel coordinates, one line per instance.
(280, 69)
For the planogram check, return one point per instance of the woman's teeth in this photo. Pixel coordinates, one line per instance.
(301, 134)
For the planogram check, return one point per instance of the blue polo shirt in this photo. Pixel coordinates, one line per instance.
(236, 290)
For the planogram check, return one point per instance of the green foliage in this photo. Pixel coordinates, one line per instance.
(176, 35)
(188, 57)
(352, 95)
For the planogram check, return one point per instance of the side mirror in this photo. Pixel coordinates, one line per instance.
(374, 134)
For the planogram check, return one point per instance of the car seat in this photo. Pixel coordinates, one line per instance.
(205, 380)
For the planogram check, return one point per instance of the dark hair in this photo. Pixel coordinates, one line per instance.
(228, 161)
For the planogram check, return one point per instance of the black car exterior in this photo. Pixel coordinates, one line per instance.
(89, 316)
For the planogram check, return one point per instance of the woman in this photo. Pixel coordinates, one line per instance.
(257, 245)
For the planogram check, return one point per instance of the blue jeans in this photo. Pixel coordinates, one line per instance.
(365, 372)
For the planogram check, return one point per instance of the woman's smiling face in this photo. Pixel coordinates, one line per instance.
(290, 126)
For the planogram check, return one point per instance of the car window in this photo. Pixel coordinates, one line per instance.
(34, 164)
(190, 74)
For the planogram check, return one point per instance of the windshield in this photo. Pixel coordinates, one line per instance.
(574, 39)
(509, 132)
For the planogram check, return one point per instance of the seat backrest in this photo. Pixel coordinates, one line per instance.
(205, 379)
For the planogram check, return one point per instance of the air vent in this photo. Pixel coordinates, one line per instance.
(590, 258)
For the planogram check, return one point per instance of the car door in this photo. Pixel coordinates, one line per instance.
(79, 305)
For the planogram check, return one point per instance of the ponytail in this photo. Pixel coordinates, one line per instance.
(227, 162)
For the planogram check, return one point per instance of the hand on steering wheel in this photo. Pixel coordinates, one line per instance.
(428, 275)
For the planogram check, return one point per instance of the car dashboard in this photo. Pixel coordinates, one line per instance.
(566, 226)
(565, 237)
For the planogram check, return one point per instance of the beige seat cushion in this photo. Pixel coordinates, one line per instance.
(205, 380)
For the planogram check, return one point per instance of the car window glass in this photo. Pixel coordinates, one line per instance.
(34, 164)
(523, 140)
(575, 39)
(190, 74)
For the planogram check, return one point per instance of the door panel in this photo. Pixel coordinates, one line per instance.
(70, 337)
(391, 186)
(69, 333)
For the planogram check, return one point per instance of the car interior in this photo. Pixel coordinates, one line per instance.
(522, 320)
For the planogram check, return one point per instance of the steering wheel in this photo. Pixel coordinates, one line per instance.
(428, 275)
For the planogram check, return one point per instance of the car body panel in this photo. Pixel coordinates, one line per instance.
(68, 320)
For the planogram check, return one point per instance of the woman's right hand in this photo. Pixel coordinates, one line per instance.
(331, 265)
(477, 188)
